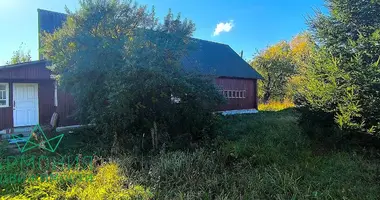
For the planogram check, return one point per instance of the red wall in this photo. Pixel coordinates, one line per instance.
(6, 119)
(66, 109)
(34, 71)
(45, 101)
(249, 85)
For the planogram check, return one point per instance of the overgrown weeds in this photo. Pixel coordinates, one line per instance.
(264, 156)
(276, 105)
(261, 156)
(105, 183)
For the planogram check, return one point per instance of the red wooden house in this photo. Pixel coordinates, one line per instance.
(29, 95)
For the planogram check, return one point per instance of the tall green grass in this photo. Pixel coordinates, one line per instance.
(260, 156)
(264, 156)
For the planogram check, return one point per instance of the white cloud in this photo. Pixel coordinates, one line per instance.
(223, 27)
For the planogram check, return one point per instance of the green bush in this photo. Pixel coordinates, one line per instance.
(341, 84)
(320, 126)
(129, 80)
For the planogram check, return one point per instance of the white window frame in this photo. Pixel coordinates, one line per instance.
(6, 95)
(239, 94)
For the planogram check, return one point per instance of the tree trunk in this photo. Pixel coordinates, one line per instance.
(154, 134)
(115, 149)
(266, 97)
(267, 93)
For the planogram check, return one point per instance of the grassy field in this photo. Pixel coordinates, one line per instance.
(263, 156)
(260, 156)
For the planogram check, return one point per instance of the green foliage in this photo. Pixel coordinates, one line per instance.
(282, 66)
(107, 183)
(3, 148)
(20, 56)
(261, 156)
(124, 71)
(302, 46)
(342, 77)
(275, 65)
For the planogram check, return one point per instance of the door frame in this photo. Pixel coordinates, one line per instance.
(13, 103)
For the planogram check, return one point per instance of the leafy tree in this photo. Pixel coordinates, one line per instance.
(301, 48)
(124, 71)
(283, 66)
(276, 66)
(343, 78)
(20, 56)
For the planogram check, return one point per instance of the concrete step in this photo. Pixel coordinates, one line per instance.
(17, 130)
(24, 131)
(13, 135)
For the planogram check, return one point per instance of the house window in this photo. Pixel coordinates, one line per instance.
(234, 94)
(225, 93)
(4, 95)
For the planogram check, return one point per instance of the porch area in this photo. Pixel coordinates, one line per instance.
(27, 97)
(22, 134)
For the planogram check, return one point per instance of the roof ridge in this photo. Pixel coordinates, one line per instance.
(210, 41)
(212, 57)
(39, 9)
(21, 64)
(43, 10)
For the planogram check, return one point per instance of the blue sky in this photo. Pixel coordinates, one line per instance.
(248, 25)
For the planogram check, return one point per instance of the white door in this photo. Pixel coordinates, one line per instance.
(25, 104)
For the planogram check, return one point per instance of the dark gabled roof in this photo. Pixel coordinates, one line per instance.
(208, 57)
(22, 64)
(218, 59)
